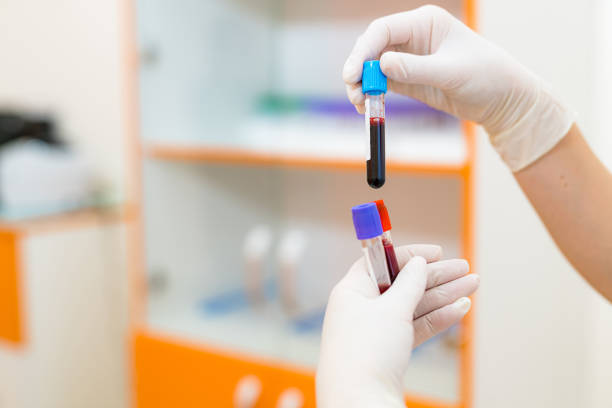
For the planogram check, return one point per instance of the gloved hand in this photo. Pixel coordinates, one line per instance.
(429, 55)
(368, 338)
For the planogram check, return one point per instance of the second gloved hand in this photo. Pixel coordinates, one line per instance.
(368, 338)
(430, 55)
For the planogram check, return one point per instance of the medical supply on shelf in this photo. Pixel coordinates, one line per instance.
(290, 254)
(238, 299)
(374, 86)
(323, 129)
(392, 264)
(256, 247)
(369, 231)
(39, 179)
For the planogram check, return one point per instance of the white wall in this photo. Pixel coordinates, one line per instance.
(537, 333)
(62, 57)
(75, 323)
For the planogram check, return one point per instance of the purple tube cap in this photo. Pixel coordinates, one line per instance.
(366, 221)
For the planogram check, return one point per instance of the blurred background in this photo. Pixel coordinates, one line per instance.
(175, 186)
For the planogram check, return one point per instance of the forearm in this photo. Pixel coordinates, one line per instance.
(571, 190)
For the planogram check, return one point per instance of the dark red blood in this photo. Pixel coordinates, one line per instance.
(376, 165)
(392, 264)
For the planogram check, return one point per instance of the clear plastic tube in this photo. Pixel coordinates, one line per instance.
(369, 231)
(385, 222)
(375, 130)
(390, 256)
(376, 262)
(375, 105)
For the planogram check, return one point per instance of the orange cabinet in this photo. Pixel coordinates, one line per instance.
(173, 374)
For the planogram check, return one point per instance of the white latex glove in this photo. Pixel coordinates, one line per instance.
(429, 55)
(368, 338)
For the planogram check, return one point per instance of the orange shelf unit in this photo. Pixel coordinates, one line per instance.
(232, 155)
(171, 371)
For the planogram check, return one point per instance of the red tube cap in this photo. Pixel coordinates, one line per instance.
(383, 214)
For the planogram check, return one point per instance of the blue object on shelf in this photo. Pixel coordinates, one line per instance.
(331, 106)
(309, 322)
(233, 300)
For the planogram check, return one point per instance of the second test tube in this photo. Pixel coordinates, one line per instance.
(385, 221)
(368, 229)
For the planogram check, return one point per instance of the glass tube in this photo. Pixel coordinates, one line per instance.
(376, 262)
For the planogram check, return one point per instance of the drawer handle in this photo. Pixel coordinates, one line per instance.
(290, 398)
(247, 392)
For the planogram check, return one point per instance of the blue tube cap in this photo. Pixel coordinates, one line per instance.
(373, 81)
(366, 221)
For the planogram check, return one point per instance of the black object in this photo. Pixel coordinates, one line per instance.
(14, 126)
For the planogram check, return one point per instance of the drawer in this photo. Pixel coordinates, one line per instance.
(169, 373)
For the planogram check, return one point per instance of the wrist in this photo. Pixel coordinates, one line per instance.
(534, 133)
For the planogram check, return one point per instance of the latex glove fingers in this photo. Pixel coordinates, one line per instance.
(356, 97)
(431, 253)
(441, 272)
(438, 272)
(415, 29)
(446, 282)
(431, 324)
(446, 294)
(410, 31)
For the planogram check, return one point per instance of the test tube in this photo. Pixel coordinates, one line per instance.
(374, 86)
(256, 247)
(291, 250)
(392, 264)
(368, 229)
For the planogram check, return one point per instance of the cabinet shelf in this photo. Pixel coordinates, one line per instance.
(66, 220)
(452, 161)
